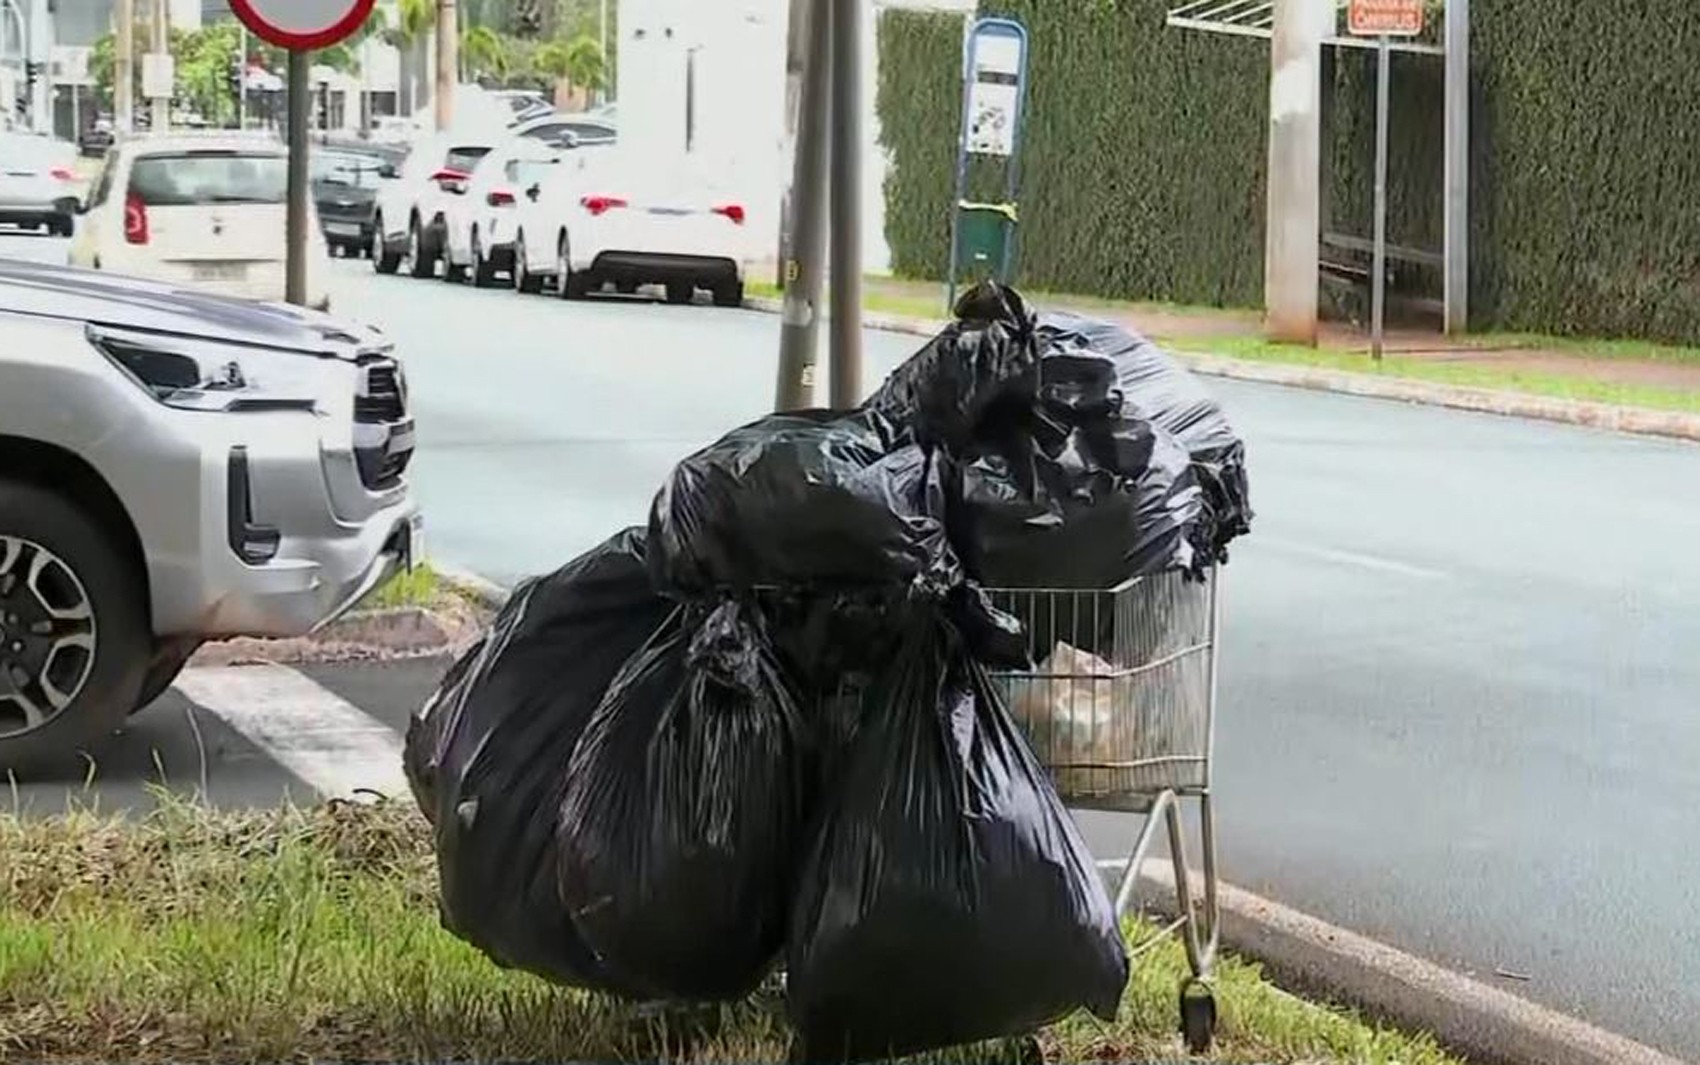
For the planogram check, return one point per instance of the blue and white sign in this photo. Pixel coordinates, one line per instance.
(996, 75)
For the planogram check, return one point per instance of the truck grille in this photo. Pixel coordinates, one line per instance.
(382, 401)
(380, 398)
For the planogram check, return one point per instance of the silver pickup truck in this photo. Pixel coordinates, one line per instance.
(176, 468)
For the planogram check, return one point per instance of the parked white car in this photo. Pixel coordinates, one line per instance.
(201, 210)
(39, 186)
(602, 220)
(410, 226)
(481, 225)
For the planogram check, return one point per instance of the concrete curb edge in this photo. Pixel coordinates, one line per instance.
(1485, 1024)
(481, 590)
(1643, 421)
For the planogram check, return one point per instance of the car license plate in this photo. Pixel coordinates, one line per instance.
(415, 543)
(343, 229)
(219, 271)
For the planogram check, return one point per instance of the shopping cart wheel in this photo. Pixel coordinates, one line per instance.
(1198, 1016)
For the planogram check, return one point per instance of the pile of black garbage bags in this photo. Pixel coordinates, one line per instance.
(765, 732)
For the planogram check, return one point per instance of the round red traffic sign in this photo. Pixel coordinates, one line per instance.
(302, 24)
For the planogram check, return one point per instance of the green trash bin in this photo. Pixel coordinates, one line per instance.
(983, 233)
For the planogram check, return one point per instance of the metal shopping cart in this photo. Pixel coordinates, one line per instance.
(1121, 710)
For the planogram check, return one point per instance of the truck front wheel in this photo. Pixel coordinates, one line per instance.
(74, 639)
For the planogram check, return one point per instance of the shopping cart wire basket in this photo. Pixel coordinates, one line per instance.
(1120, 708)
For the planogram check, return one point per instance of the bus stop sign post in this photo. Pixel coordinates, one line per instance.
(994, 96)
(1383, 20)
(300, 26)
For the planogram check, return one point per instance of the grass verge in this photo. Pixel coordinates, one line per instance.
(420, 587)
(1469, 375)
(918, 299)
(195, 936)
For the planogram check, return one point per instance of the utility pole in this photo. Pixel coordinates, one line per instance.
(296, 211)
(123, 67)
(161, 46)
(1295, 153)
(846, 271)
(448, 62)
(800, 321)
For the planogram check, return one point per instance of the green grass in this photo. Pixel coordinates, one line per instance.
(925, 300)
(1470, 375)
(194, 936)
(420, 587)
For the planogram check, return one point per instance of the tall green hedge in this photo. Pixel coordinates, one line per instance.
(1586, 134)
(1146, 149)
(1144, 155)
(919, 102)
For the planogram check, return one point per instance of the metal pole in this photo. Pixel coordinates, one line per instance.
(242, 79)
(448, 60)
(846, 264)
(123, 68)
(799, 323)
(1456, 282)
(1378, 282)
(607, 68)
(300, 100)
(161, 105)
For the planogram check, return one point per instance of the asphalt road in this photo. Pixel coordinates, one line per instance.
(1458, 684)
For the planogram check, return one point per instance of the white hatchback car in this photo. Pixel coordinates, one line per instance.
(607, 221)
(207, 211)
(481, 224)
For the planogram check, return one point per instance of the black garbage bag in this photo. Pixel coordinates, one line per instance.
(813, 499)
(683, 820)
(487, 755)
(949, 897)
(1096, 361)
(1085, 506)
(981, 371)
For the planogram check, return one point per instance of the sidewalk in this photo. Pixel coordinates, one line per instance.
(1621, 374)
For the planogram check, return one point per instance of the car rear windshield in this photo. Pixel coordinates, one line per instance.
(464, 159)
(346, 168)
(203, 177)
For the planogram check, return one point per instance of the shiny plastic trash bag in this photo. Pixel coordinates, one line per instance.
(682, 824)
(487, 755)
(982, 370)
(1084, 506)
(1091, 359)
(949, 898)
(811, 499)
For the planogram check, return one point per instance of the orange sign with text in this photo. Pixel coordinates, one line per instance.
(1385, 18)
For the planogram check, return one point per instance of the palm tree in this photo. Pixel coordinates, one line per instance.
(414, 22)
(552, 61)
(586, 67)
(484, 51)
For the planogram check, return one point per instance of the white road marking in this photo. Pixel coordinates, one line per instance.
(328, 743)
(1337, 557)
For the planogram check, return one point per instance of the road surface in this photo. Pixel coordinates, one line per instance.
(1459, 681)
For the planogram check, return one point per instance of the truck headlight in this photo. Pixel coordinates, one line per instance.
(209, 375)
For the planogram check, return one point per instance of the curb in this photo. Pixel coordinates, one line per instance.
(1641, 421)
(1484, 1024)
(481, 590)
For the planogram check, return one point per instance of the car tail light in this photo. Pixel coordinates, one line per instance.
(500, 198)
(734, 211)
(135, 221)
(450, 178)
(599, 205)
(63, 173)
